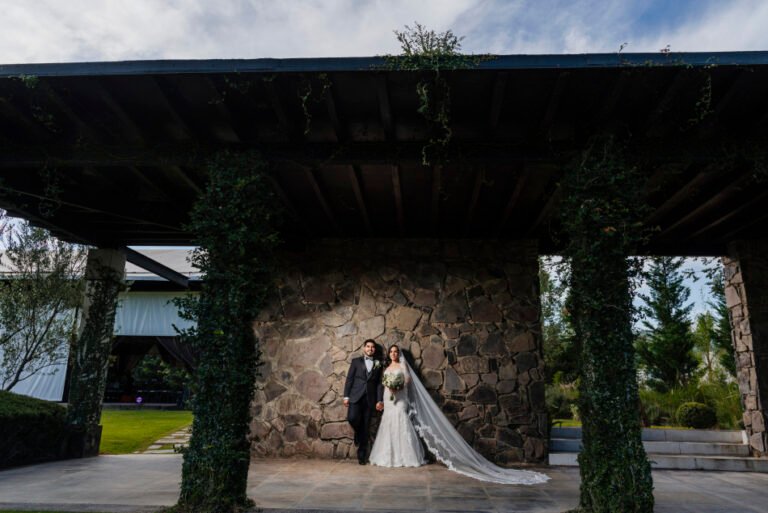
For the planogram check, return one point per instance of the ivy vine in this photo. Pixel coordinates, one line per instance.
(427, 50)
(90, 350)
(235, 223)
(601, 216)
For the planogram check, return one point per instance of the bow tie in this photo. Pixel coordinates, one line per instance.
(368, 358)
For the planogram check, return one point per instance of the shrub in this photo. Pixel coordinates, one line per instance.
(660, 408)
(32, 430)
(696, 415)
(561, 400)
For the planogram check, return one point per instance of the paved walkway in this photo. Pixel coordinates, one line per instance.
(169, 444)
(141, 483)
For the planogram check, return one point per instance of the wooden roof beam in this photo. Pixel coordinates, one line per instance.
(171, 107)
(134, 133)
(497, 101)
(554, 100)
(354, 174)
(670, 94)
(310, 175)
(333, 114)
(514, 198)
(398, 194)
(273, 96)
(385, 110)
(759, 200)
(479, 180)
(437, 174)
(720, 196)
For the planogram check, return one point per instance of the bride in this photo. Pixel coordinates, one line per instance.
(409, 412)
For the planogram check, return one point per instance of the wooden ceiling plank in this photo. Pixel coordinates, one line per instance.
(497, 101)
(717, 198)
(683, 193)
(479, 180)
(554, 100)
(228, 130)
(279, 110)
(670, 95)
(385, 110)
(310, 175)
(514, 197)
(333, 114)
(354, 179)
(437, 172)
(546, 211)
(759, 200)
(135, 134)
(398, 195)
(171, 108)
(609, 106)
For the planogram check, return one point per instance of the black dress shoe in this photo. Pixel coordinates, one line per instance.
(361, 462)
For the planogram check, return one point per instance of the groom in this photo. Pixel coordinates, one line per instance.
(363, 393)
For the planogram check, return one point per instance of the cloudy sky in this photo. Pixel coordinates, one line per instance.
(105, 30)
(99, 30)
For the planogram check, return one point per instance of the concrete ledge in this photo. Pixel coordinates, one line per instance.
(667, 435)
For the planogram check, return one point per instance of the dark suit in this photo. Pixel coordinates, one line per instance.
(364, 390)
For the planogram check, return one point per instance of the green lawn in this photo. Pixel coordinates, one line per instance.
(127, 431)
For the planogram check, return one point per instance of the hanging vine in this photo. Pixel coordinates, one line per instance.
(427, 50)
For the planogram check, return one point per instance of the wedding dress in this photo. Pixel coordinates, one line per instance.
(395, 441)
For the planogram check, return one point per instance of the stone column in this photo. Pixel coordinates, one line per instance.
(104, 274)
(746, 293)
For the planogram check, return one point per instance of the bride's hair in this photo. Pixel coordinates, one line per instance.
(399, 352)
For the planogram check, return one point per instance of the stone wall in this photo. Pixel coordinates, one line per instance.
(466, 312)
(746, 293)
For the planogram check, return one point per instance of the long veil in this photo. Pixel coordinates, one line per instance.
(449, 447)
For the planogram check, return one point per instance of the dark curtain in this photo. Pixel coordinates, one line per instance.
(178, 350)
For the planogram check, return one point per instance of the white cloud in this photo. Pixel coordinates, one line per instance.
(81, 30)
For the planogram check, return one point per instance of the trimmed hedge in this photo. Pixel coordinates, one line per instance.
(696, 415)
(31, 430)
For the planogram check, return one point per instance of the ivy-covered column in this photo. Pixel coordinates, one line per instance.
(104, 274)
(602, 210)
(234, 223)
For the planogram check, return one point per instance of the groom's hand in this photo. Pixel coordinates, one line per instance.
(346, 402)
(379, 406)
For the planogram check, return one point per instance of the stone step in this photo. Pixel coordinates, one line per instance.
(680, 448)
(667, 435)
(673, 462)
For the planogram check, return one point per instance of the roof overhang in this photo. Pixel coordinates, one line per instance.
(114, 153)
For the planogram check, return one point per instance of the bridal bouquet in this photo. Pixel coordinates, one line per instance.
(393, 381)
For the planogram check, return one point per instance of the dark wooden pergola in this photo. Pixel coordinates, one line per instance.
(112, 154)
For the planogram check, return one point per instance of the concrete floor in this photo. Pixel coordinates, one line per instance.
(144, 482)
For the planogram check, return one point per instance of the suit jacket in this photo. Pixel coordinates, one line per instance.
(360, 383)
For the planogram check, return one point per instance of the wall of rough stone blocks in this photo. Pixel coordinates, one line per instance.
(746, 293)
(467, 313)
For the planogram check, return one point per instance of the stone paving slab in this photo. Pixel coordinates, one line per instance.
(143, 483)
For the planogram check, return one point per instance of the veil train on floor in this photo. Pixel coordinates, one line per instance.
(450, 448)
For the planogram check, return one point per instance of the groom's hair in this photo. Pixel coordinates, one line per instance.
(370, 341)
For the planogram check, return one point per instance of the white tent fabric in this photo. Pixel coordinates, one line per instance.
(48, 385)
(138, 314)
(142, 314)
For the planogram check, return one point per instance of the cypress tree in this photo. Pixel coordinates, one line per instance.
(666, 351)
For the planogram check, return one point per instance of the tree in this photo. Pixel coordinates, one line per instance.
(38, 301)
(666, 350)
(706, 347)
(561, 352)
(722, 325)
